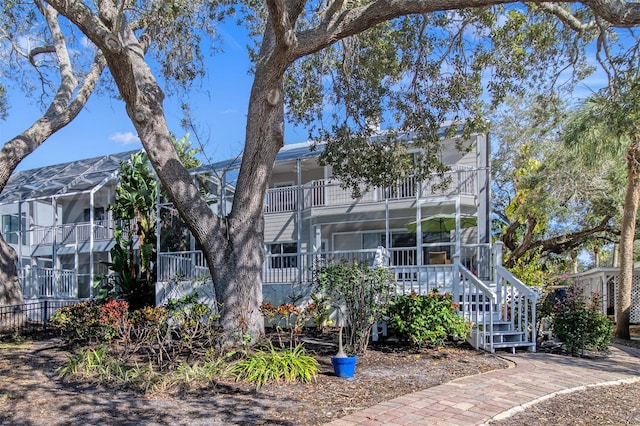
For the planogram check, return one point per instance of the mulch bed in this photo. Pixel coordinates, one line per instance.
(31, 393)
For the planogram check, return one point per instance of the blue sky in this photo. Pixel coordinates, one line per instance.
(219, 111)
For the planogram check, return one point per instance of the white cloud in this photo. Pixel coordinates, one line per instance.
(127, 138)
(86, 43)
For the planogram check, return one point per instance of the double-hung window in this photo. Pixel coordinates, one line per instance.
(283, 255)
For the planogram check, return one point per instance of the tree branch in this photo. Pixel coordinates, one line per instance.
(39, 51)
(559, 244)
(284, 34)
(565, 16)
(353, 21)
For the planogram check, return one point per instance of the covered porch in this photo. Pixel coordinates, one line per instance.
(501, 308)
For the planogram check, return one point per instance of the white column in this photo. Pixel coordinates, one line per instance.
(299, 203)
(91, 241)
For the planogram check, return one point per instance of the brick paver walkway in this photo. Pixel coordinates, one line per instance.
(475, 400)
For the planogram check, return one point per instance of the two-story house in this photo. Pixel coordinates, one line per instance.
(433, 237)
(57, 220)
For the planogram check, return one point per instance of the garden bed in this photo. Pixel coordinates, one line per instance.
(32, 393)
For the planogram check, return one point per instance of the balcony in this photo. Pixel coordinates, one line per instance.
(72, 233)
(49, 283)
(321, 193)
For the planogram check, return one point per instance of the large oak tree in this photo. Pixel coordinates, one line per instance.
(69, 88)
(413, 63)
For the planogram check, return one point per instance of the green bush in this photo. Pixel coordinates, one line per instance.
(270, 364)
(427, 320)
(89, 321)
(579, 325)
(165, 336)
(364, 292)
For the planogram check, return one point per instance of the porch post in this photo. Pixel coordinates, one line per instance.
(387, 236)
(299, 202)
(497, 261)
(76, 265)
(20, 233)
(419, 260)
(457, 246)
(54, 205)
(483, 150)
(91, 241)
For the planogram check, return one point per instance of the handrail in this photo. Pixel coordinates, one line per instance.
(517, 301)
(477, 303)
(514, 281)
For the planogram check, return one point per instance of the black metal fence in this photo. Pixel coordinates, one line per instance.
(29, 317)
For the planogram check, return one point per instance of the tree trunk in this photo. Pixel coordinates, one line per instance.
(625, 280)
(10, 291)
(233, 246)
(64, 108)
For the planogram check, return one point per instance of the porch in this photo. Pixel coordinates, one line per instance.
(500, 308)
(319, 193)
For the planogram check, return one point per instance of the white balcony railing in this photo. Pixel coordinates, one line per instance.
(49, 283)
(73, 233)
(298, 267)
(183, 265)
(322, 193)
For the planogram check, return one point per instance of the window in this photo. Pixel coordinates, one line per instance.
(283, 255)
(98, 214)
(11, 228)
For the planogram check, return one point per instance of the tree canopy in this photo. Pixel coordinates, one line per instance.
(549, 201)
(342, 68)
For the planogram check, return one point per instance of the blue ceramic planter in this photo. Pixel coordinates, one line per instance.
(344, 367)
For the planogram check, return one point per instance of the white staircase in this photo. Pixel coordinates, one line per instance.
(502, 312)
(500, 335)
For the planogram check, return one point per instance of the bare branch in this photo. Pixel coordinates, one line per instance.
(333, 8)
(39, 51)
(565, 16)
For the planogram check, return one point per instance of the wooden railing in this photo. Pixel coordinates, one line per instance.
(72, 232)
(516, 301)
(49, 283)
(183, 265)
(322, 193)
(477, 304)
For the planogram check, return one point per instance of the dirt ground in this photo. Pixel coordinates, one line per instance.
(32, 394)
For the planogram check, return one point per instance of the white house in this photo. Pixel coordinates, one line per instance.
(58, 220)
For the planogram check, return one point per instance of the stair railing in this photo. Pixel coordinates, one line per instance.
(515, 300)
(476, 303)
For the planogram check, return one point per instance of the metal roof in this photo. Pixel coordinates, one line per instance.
(60, 179)
(287, 152)
(303, 150)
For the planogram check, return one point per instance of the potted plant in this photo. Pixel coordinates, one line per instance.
(343, 365)
(364, 292)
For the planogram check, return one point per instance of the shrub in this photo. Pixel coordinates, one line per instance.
(166, 336)
(87, 321)
(265, 365)
(427, 319)
(580, 325)
(285, 317)
(364, 292)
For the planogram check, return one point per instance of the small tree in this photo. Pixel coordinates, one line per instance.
(134, 208)
(363, 292)
(580, 325)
